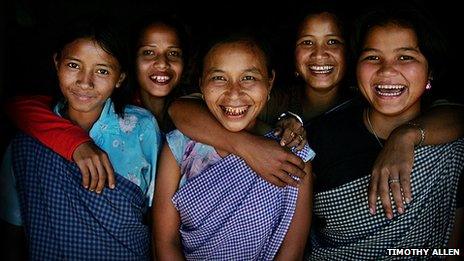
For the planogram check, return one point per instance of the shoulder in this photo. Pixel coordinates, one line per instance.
(138, 118)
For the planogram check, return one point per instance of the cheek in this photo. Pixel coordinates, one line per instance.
(300, 57)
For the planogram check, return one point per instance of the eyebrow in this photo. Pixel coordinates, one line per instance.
(412, 49)
(312, 35)
(98, 64)
(216, 70)
(154, 45)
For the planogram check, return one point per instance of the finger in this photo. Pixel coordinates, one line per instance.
(287, 137)
(278, 131)
(102, 175)
(302, 143)
(295, 160)
(293, 170)
(295, 141)
(275, 181)
(93, 176)
(287, 179)
(85, 174)
(109, 171)
(405, 178)
(395, 189)
(372, 192)
(384, 191)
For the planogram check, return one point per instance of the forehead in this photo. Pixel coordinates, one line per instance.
(87, 49)
(391, 36)
(160, 32)
(323, 23)
(236, 55)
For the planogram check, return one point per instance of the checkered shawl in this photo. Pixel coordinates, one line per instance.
(229, 213)
(64, 221)
(346, 231)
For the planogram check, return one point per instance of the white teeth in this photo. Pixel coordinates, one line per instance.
(160, 78)
(390, 89)
(235, 111)
(321, 69)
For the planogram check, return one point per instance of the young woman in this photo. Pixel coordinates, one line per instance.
(61, 218)
(209, 204)
(397, 58)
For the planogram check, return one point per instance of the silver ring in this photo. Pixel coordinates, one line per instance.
(390, 181)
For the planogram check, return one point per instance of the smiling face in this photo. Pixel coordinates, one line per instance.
(87, 76)
(235, 83)
(320, 52)
(159, 60)
(392, 72)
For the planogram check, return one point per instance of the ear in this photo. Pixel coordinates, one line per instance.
(271, 79)
(55, 60)
(122, 77)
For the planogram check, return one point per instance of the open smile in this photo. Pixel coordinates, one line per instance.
(390, 90)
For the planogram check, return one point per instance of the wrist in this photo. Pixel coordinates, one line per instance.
(239, 143)
(413, 133)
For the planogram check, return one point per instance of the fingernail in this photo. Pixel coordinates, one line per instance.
(400, 210)
(112, 186)
(282, 143)
(99, 191)
(389, 215)
(86, 186)
(372, 211)
(407, 200)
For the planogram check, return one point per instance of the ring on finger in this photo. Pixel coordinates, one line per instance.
(300, 137)
(292, 134)
(390, 181)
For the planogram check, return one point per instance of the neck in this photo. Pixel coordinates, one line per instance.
(317, 102)
(85, 120)
(154, 104)
(383, 124)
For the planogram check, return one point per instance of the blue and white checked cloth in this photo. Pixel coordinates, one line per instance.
(228, 212)
(64, 221)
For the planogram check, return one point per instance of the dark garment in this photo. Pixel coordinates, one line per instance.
(65, 221)
(345, 149)
(343, 228)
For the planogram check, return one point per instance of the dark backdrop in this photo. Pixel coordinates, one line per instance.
(29, 26)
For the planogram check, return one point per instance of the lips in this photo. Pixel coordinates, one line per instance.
(389, 90)
(82, 96)
(321, 69)
(235, 111)
(161, 79)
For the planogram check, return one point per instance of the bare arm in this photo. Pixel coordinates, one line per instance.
(441, 124)
(266, 157)
(34, 116)
(166, 221)
(295, 241)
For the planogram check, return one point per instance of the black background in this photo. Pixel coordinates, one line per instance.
(29, 25)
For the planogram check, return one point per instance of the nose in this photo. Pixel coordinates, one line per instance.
(235, 90)
(85, 80)
(319, 52)
(161, 62)
(387, 69)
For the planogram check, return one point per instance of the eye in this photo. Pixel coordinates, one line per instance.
(148, 52)
(333, 41)
(73, 65)
(406, 58)
(103, 71)
(306, 42)
(218, 78)
(248, 78)
(371, 58)
(175, 53)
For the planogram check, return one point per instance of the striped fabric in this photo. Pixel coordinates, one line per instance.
(229, 213)
(344, 229)
(64, 221)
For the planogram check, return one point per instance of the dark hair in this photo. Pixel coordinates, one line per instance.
(110, 39)
(431, 42)
(245, 36)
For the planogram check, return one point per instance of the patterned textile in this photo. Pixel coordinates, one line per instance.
(64, 221)
(229, 213)
(343, 229)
